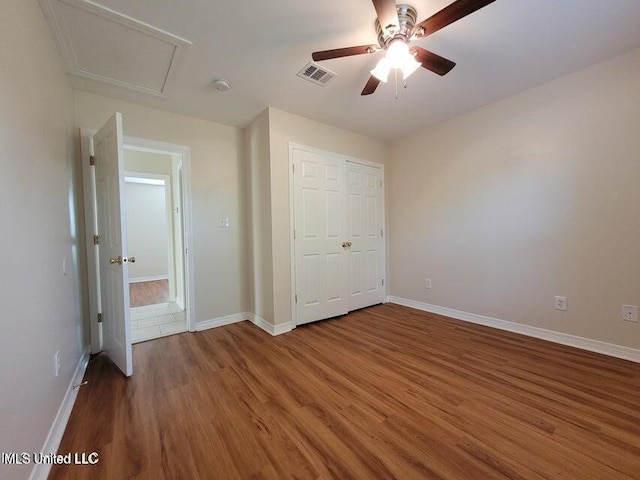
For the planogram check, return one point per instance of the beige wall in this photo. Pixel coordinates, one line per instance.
(259, 216)
(147, 162)
(147, 230)
(284, 128)
(42, 311)
(218, 189)
(535, 196)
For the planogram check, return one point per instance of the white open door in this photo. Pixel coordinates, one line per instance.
(320, 231)
(113, 261)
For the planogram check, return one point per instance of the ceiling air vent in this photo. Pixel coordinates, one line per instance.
(316, 74)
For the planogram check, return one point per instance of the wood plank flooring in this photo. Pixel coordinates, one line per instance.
(148, 293)
(384, 392)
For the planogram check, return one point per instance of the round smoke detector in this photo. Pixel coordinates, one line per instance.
(221, 84)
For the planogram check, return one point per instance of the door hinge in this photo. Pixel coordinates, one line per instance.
(294, 168)
(96, 239)
(382, 233)
(296, 298)
(380, 183)
(383, 282)
(92, 160)
(294, 234)
(99, 318)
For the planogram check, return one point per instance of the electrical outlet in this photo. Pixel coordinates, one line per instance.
(56, 364)
(561, 304)
(223, 222)
(630, 313)
(427, 283)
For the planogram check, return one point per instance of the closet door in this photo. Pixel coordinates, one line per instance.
(365, 231)
(320, 232)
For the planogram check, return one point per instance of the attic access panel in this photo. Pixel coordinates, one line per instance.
(104, 45)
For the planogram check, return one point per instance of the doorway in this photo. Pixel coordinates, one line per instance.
(178, 275)
(153, 222)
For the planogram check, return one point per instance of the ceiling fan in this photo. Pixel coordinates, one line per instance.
(396, 27)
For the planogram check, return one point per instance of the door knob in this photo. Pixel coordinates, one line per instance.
(346, 244)
(120, 260)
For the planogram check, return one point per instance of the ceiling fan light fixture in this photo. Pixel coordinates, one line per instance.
(397, 53)
(409, 65)
(381, 72)
(396, 28)
(399, 57)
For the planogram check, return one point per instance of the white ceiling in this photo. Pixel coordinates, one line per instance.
(259, 46)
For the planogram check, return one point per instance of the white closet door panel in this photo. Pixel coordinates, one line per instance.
(355, 268)
(365, 223)
(320, 225)
(371, 271)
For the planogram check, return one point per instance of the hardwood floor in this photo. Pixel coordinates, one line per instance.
(148, 293)
(385, 392)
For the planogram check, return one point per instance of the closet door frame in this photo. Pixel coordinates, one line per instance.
(292, 251)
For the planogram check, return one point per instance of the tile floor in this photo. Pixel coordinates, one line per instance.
(154, 321)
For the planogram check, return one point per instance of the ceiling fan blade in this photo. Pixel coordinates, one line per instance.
(343, 52)
(450, 14)
(371, 86)
(433, 62)
(387, 13)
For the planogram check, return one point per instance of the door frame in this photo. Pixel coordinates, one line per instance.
(348, 159)
(88, 181)
(178, 233)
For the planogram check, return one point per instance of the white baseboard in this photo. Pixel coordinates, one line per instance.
(240, 317)
(52, 443)
(150, 278)
(282, 328)
(597, 346)
(220, 321)
(269, 328)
